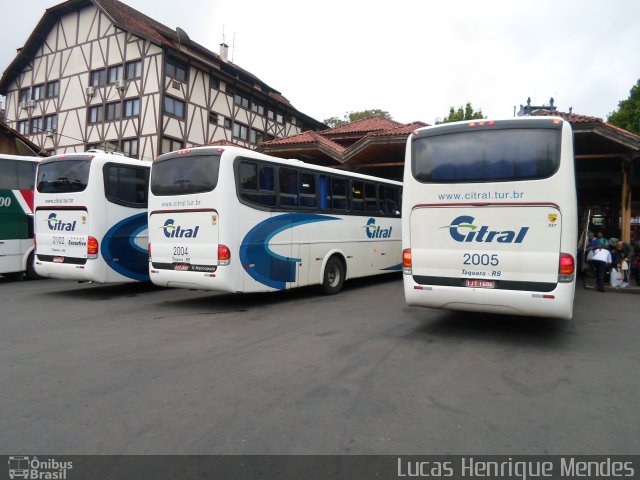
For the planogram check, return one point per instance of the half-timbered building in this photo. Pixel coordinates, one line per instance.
(100, 74)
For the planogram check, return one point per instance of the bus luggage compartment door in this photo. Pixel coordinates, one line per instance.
(513, 247)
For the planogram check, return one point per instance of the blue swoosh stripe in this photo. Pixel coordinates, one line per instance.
(133, 261)
(264, 265)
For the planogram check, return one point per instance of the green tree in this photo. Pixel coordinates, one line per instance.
(466, 113)
(628, 114)
(353, 116)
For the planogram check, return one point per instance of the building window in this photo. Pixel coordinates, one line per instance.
(23, 95)
(51, 123)
(115, 73)
(132, 107)
(130, 147)
(279, 117)
(213, 118)
(227, 123)
(98, 78)
(241, 100)
(37, 92)
(257, 107)
(36, 125)
(271, 115)
(174, 107)
(256, 136)
(112, 111)
(133, 70)
(171, 144)
(96, 114)
(177, 69)
(214, 82)
(53, 89)
(23, 127)
(240, 131)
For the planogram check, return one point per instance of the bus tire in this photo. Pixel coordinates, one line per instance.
(333, 277)
(31, 269)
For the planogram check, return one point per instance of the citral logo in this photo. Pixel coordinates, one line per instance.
(375, 231)
(58, 225)
(483, 234)
(173, 231)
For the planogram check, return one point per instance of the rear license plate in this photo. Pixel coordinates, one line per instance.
(58, 259)
(475, 283)
(182, 267)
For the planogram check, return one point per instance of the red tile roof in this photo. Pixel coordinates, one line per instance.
(569, 117)
(306, 138)
(404, 130)
(364, 125)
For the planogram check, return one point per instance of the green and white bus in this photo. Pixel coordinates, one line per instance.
(17, 176)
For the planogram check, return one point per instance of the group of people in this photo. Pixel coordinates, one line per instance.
(613, 259)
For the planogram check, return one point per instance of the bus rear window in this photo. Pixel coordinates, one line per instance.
(486, 156)
(184, 175)
(63, 176)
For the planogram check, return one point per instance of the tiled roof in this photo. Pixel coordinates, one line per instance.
(306, 138)
(364, 125)
(405, 130)
(569, 117)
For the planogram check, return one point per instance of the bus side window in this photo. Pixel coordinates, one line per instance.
(8, 174)
(307, 189)
(391, 201)
(26, 175)
(257, 183)
(357, 196)
(288, 187)
(338, 193)
(371, 197)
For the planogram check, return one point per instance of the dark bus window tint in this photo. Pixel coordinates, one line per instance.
(357, 196)
(8, 174)
(307, 189)
(338, 193)
(257, 184)
(26, 175)
(324, 186)
(370, 197)
(184, 175)
(126, 185)
(487, 156)
(391, 202)
(288, 187)
(63, 176)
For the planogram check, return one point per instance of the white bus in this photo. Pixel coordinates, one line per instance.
(490, 217)
(91, 217)
(17, 174)
(234, 220)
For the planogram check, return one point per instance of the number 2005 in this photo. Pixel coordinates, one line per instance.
(481, 259)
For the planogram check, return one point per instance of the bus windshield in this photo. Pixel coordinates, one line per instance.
(63, 176)
(182, 175)
(486, 156)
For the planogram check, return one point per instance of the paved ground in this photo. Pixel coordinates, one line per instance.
(135, 369)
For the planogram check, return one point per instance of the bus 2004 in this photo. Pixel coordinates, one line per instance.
(91, 217)
(234, 220)
(490, 217)
(17, 174)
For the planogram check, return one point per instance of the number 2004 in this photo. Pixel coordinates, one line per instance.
(481, 259)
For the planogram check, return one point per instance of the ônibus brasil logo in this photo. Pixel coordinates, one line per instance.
(482, 234)
(173, 231)
(375, 231)
(58, 225)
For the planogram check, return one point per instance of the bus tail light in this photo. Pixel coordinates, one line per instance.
(92, 247)
(406, 261)
(224, 255)
(566, 268)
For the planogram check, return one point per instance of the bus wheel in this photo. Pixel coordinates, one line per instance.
(31, 269)
(333, 276)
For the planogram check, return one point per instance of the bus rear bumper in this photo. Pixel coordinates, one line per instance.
(216, 281)
(554, 304)
(61, 271)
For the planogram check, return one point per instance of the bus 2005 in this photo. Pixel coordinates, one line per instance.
(91, 217)
(490, 217)
(234, 220)
(17, 174)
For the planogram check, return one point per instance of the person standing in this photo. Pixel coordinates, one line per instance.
(601, 261)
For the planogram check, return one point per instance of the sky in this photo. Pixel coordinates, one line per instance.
(413, 59)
